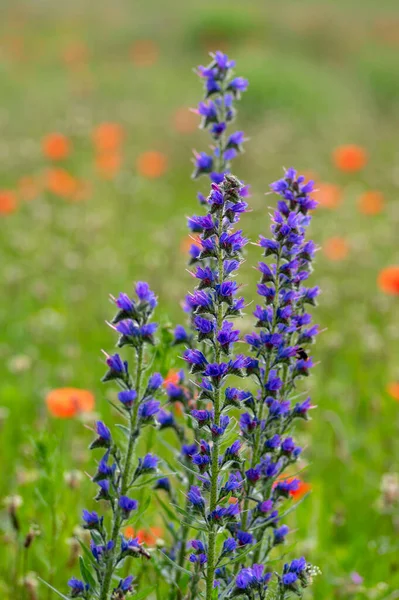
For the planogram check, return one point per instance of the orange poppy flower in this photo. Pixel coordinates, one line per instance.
(371, 203)
(144, 53)
(65, 403)
(328, 195)
(108, 137)
(303, 489)
(188, 241)
(185, 120)
(56, 146)
(152, 164)
(8, 202)
(109, 165)
(336, 248)
(171, 377)
(388, 280)
(393, 390)
(75, 54)
(350, 158)
(61, 183)
(146, 536)
(29, 188)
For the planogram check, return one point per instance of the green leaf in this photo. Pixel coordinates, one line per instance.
(123, 428)
(148, 481)
(166, 508)
(53, 589)
(86, 552)
(175, 565)
(241, 554)
(86, 575)
(196, 526)
(145, 593)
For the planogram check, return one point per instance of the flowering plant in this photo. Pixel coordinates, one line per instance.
(231, 477)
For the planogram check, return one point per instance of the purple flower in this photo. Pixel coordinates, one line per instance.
(233, 483)
(180, 335)
(78, 588)
(229, 545)
(196, 359)
(301, 409)
(127, 505)
(91, 519)
(247, 423)
(232, 452)
(165, 419)
(204, 327)
(238, 84)
(145, 295)
(147, 464)
(202, 461)
(244, 538)
(226, 336)
(148, 410)
(125, 585)
(265, 506)
(203, 164)
(253, 475)
(203, 417)
(285, 487)
(117, 369)
(216, 371)
(195, 497)
(289, 579)
(127, 397)
(279, 534)
(245, 578)
(163, 483)
(218, 430)
(103, 439)
(103, 493)
(147, 332)
(154, 382)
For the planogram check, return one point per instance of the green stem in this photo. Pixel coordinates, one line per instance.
(215, 449)
(184, 535)
(126, 478)
(261, 408)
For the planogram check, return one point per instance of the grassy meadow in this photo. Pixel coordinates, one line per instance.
(323, 74)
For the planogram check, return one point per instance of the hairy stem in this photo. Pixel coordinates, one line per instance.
(126, 478)
(216, 443)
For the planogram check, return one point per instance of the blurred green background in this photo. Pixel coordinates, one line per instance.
(323, 74)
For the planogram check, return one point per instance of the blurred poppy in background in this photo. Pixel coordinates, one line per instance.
(56, 146)
(152, 164)
(108, 137)
(388, 280)
(144, 53)
(350, 158)
(371, 202)
(65, 403)
(393, 389)
(8, 202)
(328, 195)
(336, 248)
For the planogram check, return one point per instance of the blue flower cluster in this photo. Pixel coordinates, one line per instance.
(115, 475)
(217, 111)
(227, 498)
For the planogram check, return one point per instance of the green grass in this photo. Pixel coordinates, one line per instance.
(321, 75)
